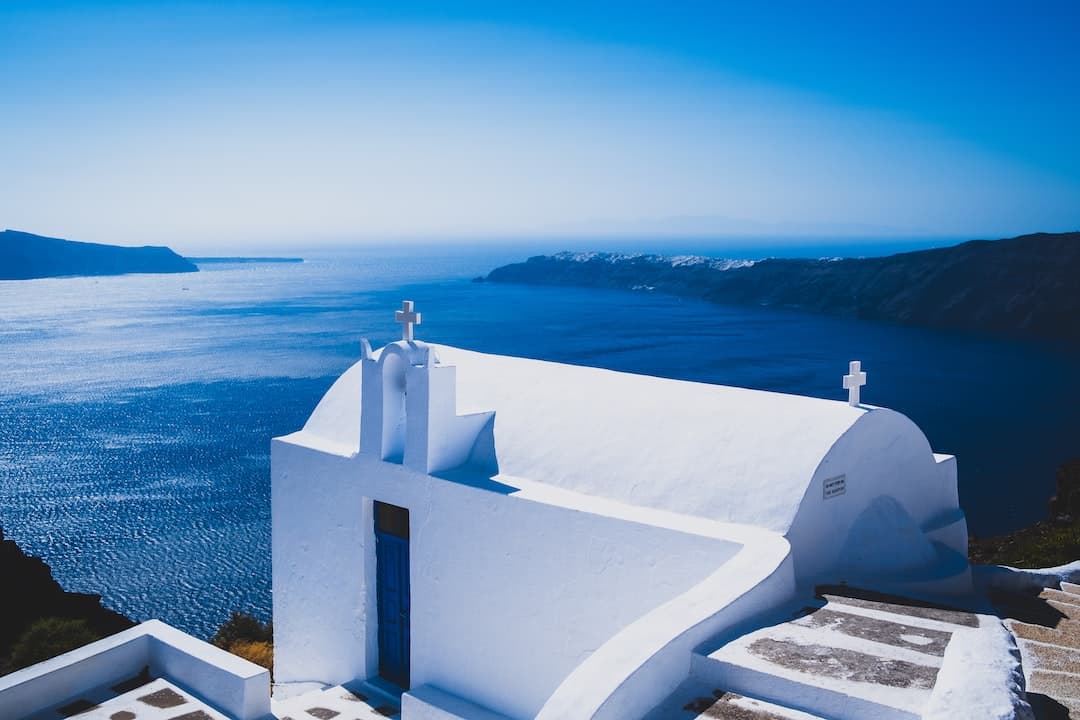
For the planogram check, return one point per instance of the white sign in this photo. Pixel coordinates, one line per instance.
(834, 486)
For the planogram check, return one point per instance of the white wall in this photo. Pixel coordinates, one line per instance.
(319, 542)
(508, 595)
(230, 684)
(895, 490)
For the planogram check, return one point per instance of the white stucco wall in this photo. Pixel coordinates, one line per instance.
(319, 540)
(523, 592)
(898, 499)
(509, 595)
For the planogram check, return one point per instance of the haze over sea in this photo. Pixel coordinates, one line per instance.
(136, 411)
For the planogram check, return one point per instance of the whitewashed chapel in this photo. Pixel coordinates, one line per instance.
(463, 535)
(504, 537)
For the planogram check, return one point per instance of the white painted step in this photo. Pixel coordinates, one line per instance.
(788, 690)
(695, 700)
(822, 671)
(763, 708)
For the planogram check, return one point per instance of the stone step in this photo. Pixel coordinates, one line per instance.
(897, 605)
(1034, 610)
(837, 700)
(1050, 657)
(852, 659)
(889, 632)
(1054, 684)
(694, 701)
(1048, 708)
(732, 706)
(1066, 634)
(910, 620)
(1060, 596)
(1070, 611)
(1071, 588)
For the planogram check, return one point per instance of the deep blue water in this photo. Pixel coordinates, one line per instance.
(136, 411)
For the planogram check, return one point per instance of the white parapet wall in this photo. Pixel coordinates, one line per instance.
(638, 667)
(230, 684)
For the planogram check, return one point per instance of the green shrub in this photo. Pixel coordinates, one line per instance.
(49, 637)
(241, 626)
(1042, 545)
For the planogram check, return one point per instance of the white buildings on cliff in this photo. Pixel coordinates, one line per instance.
(497, 537)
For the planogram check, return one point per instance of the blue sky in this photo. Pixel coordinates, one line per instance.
(240, 124)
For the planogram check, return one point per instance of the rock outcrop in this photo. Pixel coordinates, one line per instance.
(31, 593)
(24, 256)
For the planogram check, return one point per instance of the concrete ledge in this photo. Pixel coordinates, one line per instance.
(990, 653)
(230, 684)
(105, 662)
(428, 702)
(1010, 579)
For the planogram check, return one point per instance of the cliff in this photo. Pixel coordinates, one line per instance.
(1027, 286)
(24, 256)
(31, 594)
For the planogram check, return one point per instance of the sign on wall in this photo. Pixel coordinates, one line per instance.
(834, 486)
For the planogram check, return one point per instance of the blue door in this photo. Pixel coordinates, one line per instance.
(392, 591)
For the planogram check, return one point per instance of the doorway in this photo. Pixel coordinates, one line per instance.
(392, 591)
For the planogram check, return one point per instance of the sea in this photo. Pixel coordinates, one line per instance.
(136, 411)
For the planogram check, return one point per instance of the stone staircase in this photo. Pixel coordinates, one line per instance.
(1047, 630)
(852, 655)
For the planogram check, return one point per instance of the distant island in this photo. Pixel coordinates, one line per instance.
(25, 256)
(253, 260)
(1027, 286)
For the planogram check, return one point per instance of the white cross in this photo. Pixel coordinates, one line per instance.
(407, 318)
(855, 380)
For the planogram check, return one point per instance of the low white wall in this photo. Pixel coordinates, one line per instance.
(643, 664)
(237, 687)
(105, 662)
(1010, 579)
(230, 684)
(989, 653)
(895, 488)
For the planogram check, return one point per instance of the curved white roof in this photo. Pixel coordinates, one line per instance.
(725, 453)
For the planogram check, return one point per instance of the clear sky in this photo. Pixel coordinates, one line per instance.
(239, 124)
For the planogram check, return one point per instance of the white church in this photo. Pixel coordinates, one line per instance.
(464, 535)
